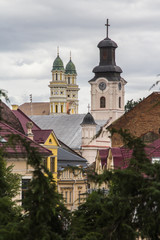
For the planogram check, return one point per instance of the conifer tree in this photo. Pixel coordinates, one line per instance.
(10, 213)
(45, 215)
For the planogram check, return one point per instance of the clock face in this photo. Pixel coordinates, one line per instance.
(102, 86)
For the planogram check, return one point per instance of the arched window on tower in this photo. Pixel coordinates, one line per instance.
(56, 76)
(56, 109)
(61, 108)
(102, 102)
(69, 80)
(119, 102)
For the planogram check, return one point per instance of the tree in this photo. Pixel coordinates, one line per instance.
(10, 213)
(45, 214)
(131, 208)
(131, 104)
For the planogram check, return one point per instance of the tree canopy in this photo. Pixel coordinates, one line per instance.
(131, 209)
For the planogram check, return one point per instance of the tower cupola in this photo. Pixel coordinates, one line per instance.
(70, 68)
(58, 64)
(107, 66)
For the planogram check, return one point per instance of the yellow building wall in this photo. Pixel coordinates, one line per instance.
(52, 144)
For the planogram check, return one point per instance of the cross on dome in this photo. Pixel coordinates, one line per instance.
(107, 25)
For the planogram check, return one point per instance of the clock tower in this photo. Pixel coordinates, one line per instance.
(107, 86)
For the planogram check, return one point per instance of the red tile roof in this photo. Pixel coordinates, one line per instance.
(6, 131)
(40, 136)
(104, 155)
(23, 118)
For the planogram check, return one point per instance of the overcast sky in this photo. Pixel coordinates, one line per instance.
(31, 30)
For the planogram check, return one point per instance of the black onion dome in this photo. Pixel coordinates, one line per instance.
(107, 42)
(88, 120)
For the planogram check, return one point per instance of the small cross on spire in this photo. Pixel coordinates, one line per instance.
(88, 107)
(107, 25)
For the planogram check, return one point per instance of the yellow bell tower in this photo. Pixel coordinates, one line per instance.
(58, 87)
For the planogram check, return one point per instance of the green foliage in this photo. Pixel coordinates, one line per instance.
(131, 104)
(9, 212)
(132, 206)
(45, 216)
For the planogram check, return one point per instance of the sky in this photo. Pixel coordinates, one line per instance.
(31, 30)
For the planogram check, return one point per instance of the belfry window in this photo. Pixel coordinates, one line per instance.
(56, 76)
(119, 102)
(69, 80)
(56, 109)
(102, 102)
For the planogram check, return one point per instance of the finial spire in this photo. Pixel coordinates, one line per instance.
(88, 107)
(58, 51)
(70, 55)
(107, 25)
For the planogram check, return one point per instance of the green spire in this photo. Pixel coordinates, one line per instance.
(70, 67)
(58, 64)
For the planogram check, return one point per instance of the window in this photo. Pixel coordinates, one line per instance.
(119, 102)
(61, 92)
(66, 194)
(68, 95)
(102, 102)
(52, 164)
(70, 196)
(45, 162)
(25, 183)
(61, 108)
(56, 109)
(56, 76)
(69, 80)
(79, 196)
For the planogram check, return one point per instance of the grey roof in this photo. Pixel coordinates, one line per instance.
(66, 158)
(66, 127)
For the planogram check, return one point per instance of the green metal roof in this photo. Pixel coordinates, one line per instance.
(70, 68)
(58, 64)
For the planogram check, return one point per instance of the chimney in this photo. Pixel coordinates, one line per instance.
(14, 107)
(29, 126)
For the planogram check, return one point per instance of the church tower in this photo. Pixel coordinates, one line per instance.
(72, 88)
(58, 87)
(63, 88)
(107, 86)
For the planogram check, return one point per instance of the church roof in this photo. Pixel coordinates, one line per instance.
(58, 64)
(107, 42)
(70, 68)
(6, 130)
(88, 120)
(66, 127)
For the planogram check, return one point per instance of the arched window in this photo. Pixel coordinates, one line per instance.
(69, 80)
(56, 76)
(102, 102)
(119, 102)
(61, 108)
(56, 109)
